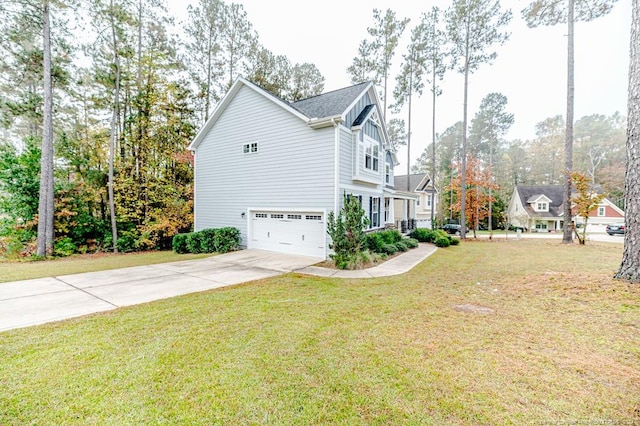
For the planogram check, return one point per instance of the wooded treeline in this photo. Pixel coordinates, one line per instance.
(131, 87)
(123, 78)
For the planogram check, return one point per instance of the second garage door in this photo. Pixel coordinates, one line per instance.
(288, 232)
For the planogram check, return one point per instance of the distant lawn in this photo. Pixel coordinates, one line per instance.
(560, 344)
(26, 270)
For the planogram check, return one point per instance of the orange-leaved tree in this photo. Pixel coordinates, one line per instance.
(584, 200)
(478, 183)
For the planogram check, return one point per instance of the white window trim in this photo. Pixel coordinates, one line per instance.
(250, 148)
(370, 148)
(602, 211)
(375, 212)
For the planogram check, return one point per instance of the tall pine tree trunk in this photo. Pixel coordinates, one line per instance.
(433, 149)
(463, 169)
(45, 201)
(112, 138)
(630, 266)
(568, 144)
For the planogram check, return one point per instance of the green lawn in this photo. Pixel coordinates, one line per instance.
(26, 270)
(561, 346)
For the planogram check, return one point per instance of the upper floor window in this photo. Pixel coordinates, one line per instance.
(542, 207)
(371, 155)
(429, 200)
(602, 211)
(249, 148)
(387, 173)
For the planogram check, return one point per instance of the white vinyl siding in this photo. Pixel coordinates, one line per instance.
(293, 168)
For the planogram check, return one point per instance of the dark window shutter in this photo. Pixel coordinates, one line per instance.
(371, 224)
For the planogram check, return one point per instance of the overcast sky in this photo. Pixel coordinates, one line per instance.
(530, 68)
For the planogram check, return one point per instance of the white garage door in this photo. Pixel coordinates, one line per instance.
(289, 232)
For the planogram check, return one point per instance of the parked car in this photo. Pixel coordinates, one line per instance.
(615, 229)
(452, 228)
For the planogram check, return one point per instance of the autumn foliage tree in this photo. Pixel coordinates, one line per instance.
(585, 199)
(477, 194)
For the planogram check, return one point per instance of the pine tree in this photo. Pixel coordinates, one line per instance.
(474, 27)
(630, 265)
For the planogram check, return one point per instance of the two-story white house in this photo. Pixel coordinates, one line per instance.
(275, 169)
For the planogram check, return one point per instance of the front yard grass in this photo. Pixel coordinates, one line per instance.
(26, 270)
(558, 341)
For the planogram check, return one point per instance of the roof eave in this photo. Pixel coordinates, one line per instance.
(319, 123)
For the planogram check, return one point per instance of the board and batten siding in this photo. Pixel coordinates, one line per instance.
(293, 168)
(351, 116)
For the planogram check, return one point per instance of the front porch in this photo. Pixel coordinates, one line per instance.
(400, 210)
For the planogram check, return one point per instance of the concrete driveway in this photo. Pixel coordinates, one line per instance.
(31, 302)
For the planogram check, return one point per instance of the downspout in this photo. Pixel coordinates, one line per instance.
(336, 166)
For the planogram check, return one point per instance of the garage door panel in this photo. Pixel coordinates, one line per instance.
(289, 232)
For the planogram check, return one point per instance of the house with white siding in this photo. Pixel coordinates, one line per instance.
(539, 208)
(275, 169)
(425, 206)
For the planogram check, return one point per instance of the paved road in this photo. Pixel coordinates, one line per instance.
(594, 236)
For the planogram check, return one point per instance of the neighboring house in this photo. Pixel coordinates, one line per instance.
(275, 169)
(540, 208)
(421, 185)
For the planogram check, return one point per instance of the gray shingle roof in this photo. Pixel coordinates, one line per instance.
(400, 182)
(331, 103)
(554, 192)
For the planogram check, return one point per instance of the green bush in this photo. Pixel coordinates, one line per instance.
(423, 235)
(442, 241)
(374, 242)
(194, 242)
(439, 233)
(454, 241)
(208, 240)
(401, 246)
(64, 247)
(411, 242)
(391, 236)
(179, 244)
(227, 239)
(389, 249)
(127, 241)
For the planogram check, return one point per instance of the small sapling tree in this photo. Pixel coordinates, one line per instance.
(585, 200)
(347, 233)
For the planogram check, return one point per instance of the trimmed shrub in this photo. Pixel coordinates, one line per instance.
(423, 235)
(374, 242)
(401, 246)
(454, 241)
(439, 233)
(179, 243)
(411, 242)
(391, 236)
(208, 240)
(227, 239)
(193, 242)
(389, 249)
(442, 241)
